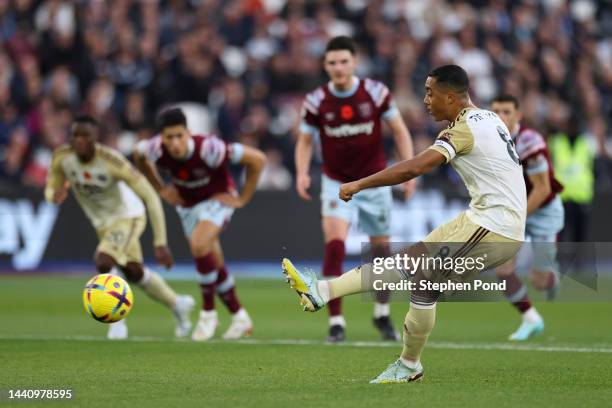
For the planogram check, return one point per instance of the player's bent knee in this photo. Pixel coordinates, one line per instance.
(104, 262)
(201, 250)
(540, 279)
(133, 272)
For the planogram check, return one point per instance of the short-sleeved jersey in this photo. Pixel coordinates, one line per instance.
(479, 147)
(98, 184)
(533, 153)
(203, 173)
(350, 127)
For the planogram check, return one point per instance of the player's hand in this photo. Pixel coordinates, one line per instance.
(170, 194)
(229, 199)
(348, 190)
(61, 193)
(409, 188)
(302, 185)
(164, 256)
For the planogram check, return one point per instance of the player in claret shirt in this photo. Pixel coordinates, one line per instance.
(544, 218)
(347, 114)
(111, 192)
(205, 198)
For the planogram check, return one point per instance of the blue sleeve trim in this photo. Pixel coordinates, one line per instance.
(306, 128)
(391, 113)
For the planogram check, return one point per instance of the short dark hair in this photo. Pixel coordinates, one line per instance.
(341, 42)
(452, 76)
(506, 98)
(86, 120)
(171, 117)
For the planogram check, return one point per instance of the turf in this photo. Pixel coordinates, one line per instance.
(47, 341)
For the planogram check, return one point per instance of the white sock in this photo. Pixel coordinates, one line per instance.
(532, 315)
(323, 289)
(241, 314)
(381, 310)
(208, 314)
(146, 276)
(409, 363)
(337, 321)
(157, 288)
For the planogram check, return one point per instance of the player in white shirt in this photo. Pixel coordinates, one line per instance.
(111, 192)
(478, 145)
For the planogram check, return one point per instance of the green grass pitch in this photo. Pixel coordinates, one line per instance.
(48, 341)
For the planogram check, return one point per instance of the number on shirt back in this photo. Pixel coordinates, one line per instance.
(509, 144)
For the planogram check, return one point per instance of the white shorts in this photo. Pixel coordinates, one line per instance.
(208, 210)
(373, 206)
(542, 227)
(546, 222)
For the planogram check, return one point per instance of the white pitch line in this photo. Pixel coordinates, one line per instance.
(295, 342)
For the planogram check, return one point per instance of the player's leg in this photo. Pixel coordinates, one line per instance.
(382, 309)
(156, 287)
(201, 244)
(544, 275)
(336, 216)
(108, 257)
(202, 225)
(516, 293)
(241, 325)
(543, 227)
(374, 208)
(335, 231)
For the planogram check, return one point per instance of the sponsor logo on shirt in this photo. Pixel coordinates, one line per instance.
(347, 130)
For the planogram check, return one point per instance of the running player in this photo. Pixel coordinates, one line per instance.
(203, 192)
(478, 145)
(544, 218)
(111, 192)
(347, 115)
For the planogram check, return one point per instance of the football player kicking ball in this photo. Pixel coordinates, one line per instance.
(111, 192)
(478, 145)
(544, 218)
(203, 192)
(347, 113)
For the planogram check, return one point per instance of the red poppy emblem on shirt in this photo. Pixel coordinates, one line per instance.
(183, 174)
(87, 175)
(346, 112)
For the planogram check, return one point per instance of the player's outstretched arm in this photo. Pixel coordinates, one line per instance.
(303, 156)
(167, 192)
(56, 189)
(155, 211)
(404, 145)
(254, 160)
(398, 173)
(540, 191)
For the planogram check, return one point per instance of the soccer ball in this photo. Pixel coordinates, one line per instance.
(107, 298)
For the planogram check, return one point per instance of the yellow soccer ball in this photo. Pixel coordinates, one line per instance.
(107, 298)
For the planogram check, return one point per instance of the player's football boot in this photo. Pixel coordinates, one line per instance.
(336, 334)
(399, 373)
(206, 326)
(386, 329)
(526, 330)
(241, 326)
(117, 331)
(305, 284)
(182, 315)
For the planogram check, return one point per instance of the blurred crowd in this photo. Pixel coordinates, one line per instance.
(246, 64)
